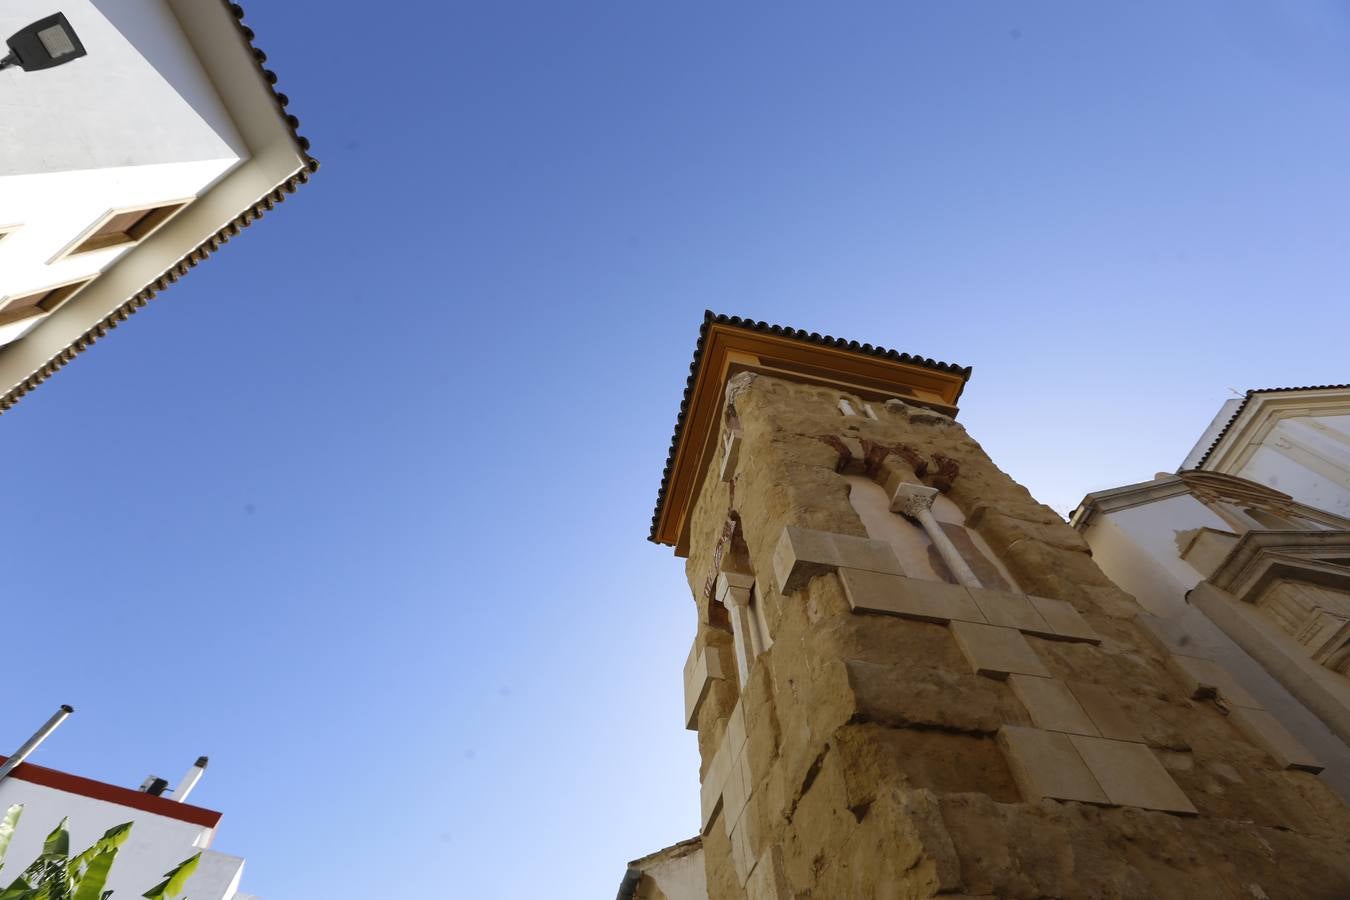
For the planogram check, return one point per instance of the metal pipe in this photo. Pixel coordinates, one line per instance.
(32, 743)
(190, 780)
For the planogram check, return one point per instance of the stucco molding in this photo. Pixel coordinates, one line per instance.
(1260, 411)
(1125, 497)
(1206, 487)
(1261, 557)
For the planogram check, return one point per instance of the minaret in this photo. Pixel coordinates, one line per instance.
(910, 678)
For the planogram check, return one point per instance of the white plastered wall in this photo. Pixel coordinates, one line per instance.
(1136, 547)
(1307, 457)
(273, 158)
(680, 878)
(139, 97)
(136, 123)
(27, 255)
(156, 844)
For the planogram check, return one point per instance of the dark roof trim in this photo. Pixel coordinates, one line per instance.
(1247, 399)
(270, 77)
(203, 250)
(711, 318)
(628, 887)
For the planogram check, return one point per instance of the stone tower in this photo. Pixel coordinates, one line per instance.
(910, 678)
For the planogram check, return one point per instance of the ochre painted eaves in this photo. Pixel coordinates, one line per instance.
(728, 345)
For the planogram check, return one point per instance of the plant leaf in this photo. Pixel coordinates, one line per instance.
(174, 879)
(112, 839)
(58, 842)
(7, 826)
(90, 883)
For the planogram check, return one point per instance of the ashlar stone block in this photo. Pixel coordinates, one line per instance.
(712, 787)
(1106, 712)
(1010, 610)
(731, 454)
(854, 458)
(742, 856)
(1204, 678)
(803, 553)
(1131, 775)
(997, 652)
(1045, 765)
(736, 793)
(1201, 676)
(1264, 730)
(769, 879)
(736, 731)
(914, 598)
(701, 669)
(1066, 623)
(709, 802)
(1051, 705)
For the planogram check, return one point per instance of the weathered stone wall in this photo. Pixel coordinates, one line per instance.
(865, 758)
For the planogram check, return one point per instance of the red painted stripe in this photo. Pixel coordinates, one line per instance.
(111, 793)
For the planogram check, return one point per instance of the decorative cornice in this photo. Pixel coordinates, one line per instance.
(1260, 556)
(1126, 496)
(1202, 486)
(1223, 433)
(202, 250)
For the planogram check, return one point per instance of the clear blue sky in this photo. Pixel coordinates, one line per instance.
(360, 507)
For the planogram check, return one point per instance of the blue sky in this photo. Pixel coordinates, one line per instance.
(360, 507)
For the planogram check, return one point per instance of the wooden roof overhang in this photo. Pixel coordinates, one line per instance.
(730, 345)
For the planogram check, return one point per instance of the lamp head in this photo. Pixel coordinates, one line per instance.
(46, 43)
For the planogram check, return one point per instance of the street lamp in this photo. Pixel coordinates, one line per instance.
(47, 42)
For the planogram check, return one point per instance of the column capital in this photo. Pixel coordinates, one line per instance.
(911, 499)
(733, 588)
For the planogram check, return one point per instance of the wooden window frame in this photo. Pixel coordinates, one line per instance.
(86, 243)
(49, 304)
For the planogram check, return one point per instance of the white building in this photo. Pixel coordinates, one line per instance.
(675, 873)
(163, 832)
(123, 169)
(1242, 560)
(120, 170)
(1296, 440)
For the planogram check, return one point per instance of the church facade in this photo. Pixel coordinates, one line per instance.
(1242, 557)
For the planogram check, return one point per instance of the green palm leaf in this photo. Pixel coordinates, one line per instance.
(174, 879)
(112, 839)
(57, 843)
(90, 883)
(7, 826)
